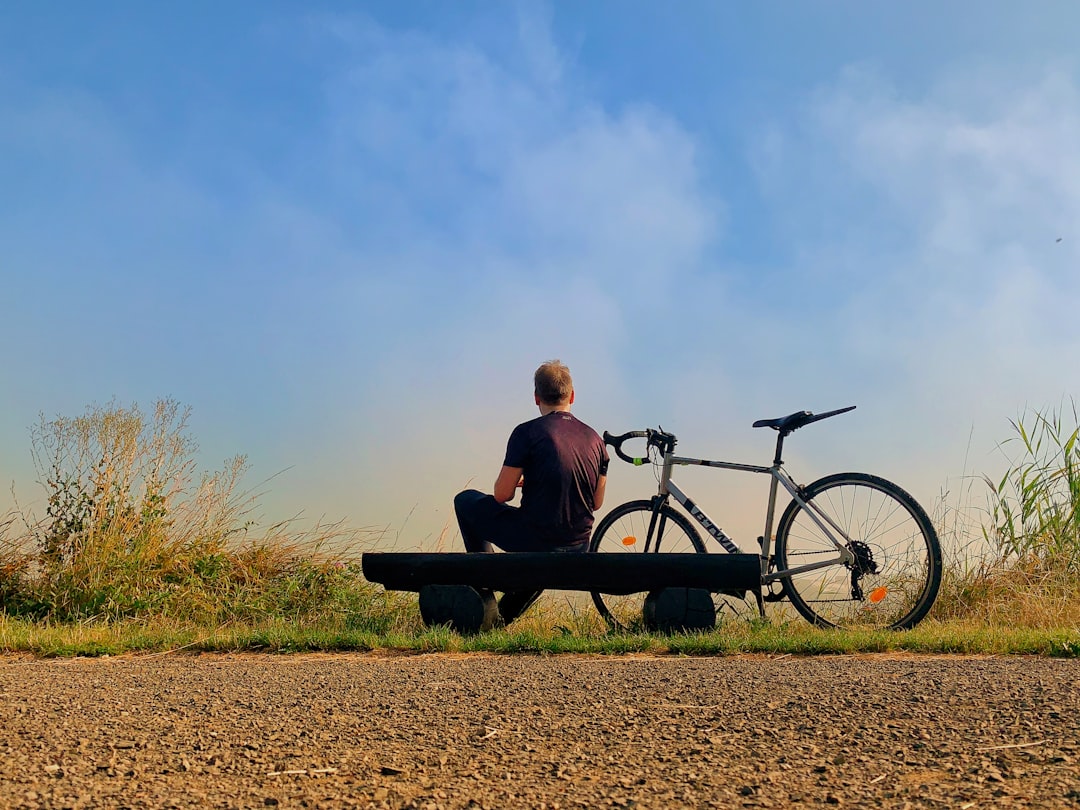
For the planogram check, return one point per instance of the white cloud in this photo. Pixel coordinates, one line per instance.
(516, 221)
(948, 276)
(925, 284)
(451, 216)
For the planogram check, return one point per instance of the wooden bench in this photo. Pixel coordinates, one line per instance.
(455, 589)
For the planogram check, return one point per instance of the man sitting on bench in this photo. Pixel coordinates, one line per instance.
(561, 466)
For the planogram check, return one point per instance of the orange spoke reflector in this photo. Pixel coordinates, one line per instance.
(878, 594)
(629, 540)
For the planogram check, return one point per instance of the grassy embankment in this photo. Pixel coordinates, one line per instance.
(137, 552)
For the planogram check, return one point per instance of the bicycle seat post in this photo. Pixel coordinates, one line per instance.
(778, 458)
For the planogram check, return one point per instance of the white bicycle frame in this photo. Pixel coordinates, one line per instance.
(836, 535)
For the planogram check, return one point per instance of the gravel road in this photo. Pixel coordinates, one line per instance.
(441, 731)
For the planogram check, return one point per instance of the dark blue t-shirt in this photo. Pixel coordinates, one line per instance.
(562, 460)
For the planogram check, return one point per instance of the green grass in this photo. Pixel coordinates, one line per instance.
(138, 553)
(279, 636)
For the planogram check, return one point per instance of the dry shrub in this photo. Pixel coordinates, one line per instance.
(15, 564)
(132, 529)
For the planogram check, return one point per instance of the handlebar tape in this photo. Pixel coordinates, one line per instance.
(617, 441)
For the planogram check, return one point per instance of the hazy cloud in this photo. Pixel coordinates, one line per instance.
(948, 275)
(364, 298)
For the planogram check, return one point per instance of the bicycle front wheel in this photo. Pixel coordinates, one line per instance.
(626, 529)
(895, 576)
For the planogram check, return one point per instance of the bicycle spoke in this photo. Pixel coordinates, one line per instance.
(625, 530)
(896, 572)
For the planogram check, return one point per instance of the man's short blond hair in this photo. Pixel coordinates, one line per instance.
(552, 383)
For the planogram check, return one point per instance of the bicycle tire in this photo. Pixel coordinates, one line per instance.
(897, 552)
(623, 531)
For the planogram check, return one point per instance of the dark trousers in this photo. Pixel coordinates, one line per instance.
(484, 522)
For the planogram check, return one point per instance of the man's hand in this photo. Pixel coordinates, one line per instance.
(510, 478)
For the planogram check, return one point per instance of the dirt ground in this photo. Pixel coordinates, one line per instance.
(442, 731)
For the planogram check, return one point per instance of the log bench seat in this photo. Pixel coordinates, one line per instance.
(455, 588)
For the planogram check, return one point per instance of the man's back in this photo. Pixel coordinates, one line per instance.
(562, 460)
(559, 463)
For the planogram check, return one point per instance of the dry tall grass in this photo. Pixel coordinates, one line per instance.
(132, 529)
(1020, 567)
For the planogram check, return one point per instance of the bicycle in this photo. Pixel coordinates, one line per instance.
(850, 550)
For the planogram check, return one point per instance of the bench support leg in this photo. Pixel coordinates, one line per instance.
(675, 610)
(465, 609)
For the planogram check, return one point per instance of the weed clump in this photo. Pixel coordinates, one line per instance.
(132, 530)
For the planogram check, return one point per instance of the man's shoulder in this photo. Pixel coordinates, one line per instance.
(528, 431)
(528, 425)
(573, 425)
(556, 422)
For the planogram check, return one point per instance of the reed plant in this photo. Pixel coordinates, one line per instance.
(1021, 566)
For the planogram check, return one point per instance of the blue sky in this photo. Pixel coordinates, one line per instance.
(346, 233)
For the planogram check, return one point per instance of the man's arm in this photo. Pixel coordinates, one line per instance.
(508, 481)
(598, 496)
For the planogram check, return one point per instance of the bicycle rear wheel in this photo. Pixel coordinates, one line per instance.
(897, 569)
(625, 530)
